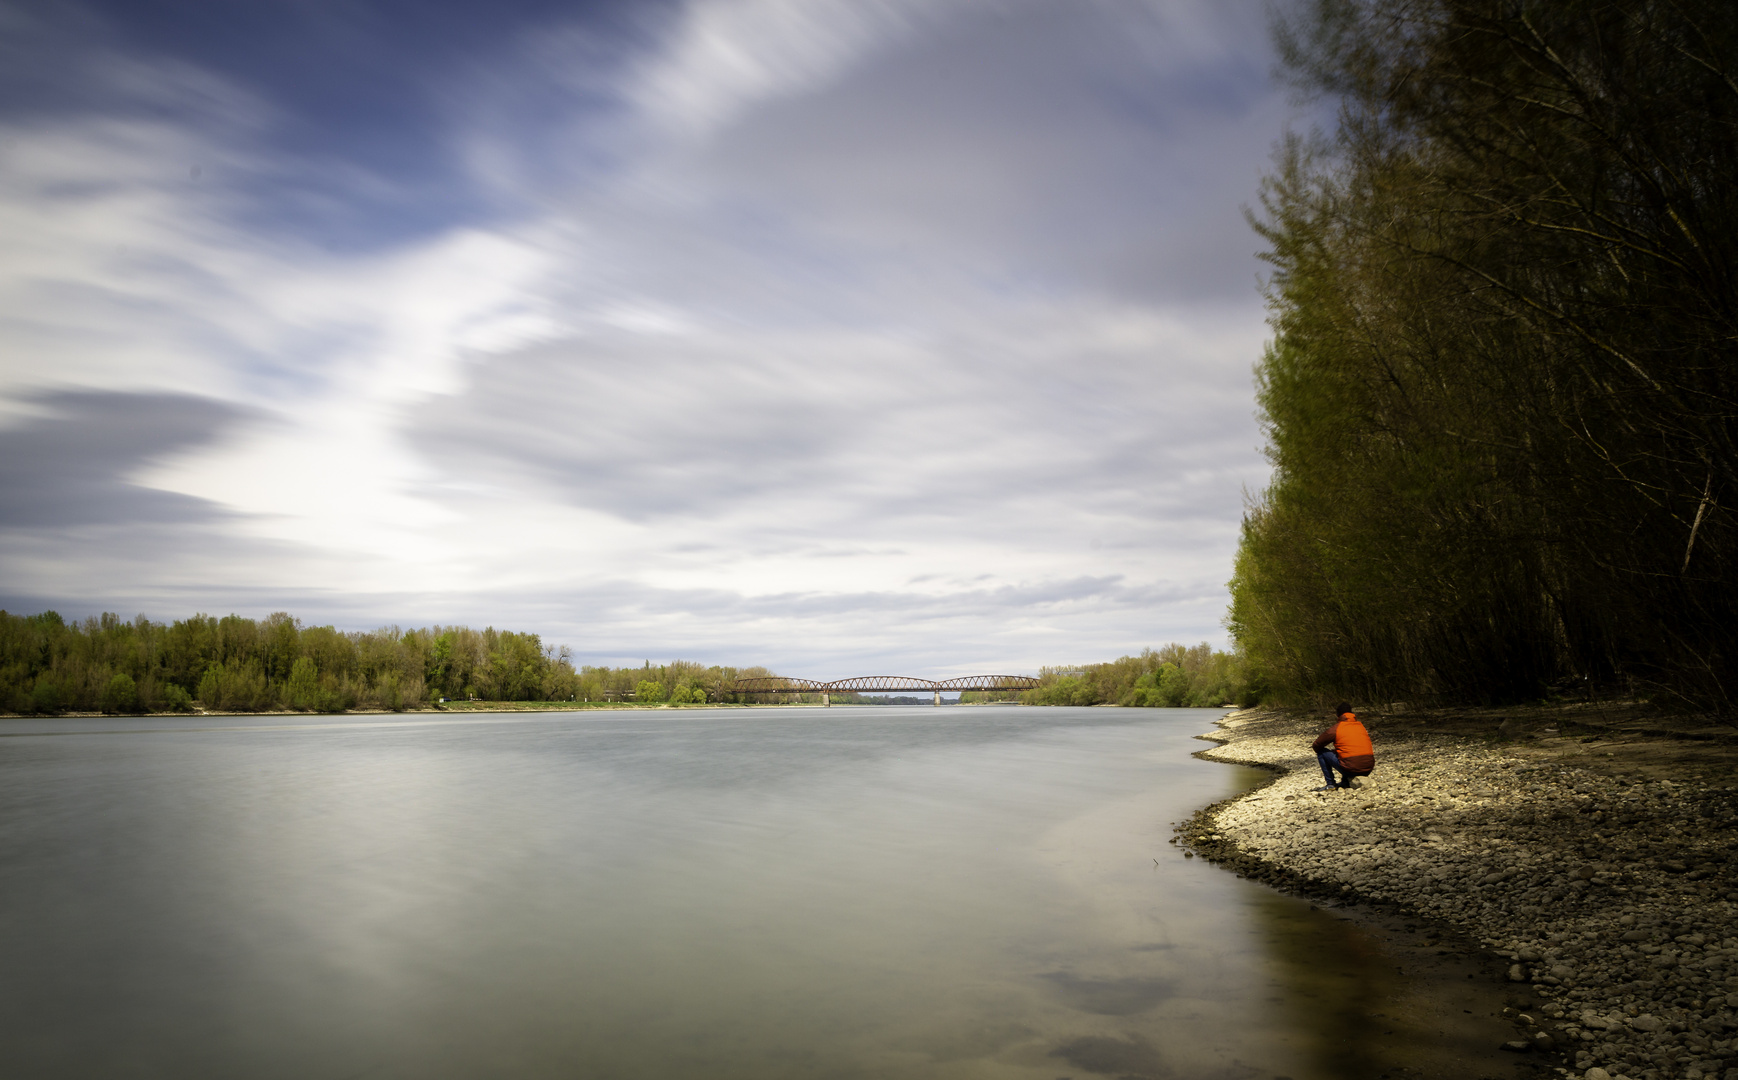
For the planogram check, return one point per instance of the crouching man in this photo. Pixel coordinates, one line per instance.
(1346, 747)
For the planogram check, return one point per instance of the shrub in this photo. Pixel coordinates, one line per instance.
(45, 698)
(302, 691)
(176, 699)
(121, 695)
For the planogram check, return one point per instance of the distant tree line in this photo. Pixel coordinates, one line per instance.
(49, 665)
(1501, 395)
(680, 682)
(234, 664)
(1175, 676)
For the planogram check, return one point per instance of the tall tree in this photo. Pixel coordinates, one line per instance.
(1502, 391)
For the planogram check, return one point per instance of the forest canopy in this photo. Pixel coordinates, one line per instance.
(49, 665)
(1176, 676)
(237, 664)
(1500, 396)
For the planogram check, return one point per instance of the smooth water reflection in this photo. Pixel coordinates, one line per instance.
(885, 892)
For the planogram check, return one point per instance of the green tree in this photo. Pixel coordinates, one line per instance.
(302, 692)
(45, 697)
(176, 699)
(210, 691)
(121, 695)
(1173, 687)
(1500, 395)
(235, 663)
(1169, 677)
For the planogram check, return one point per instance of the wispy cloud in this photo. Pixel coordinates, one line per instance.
(781, 331)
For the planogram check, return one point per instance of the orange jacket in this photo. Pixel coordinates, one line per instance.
(1351, 744)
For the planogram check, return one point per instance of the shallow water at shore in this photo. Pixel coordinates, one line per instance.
(886, 892)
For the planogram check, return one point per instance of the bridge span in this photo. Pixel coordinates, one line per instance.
(781, 684)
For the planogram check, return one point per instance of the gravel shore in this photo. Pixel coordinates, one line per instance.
(1611, 897)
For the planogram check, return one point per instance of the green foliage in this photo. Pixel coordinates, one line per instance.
(680, 682)
(236, 664)
(302, 690)
(121, 695)
(175, 699)
(241, 686)
(968, 697)
(1173, 688)
(211, 686)
(1500, 399)
(44, 698)
(1172, 677)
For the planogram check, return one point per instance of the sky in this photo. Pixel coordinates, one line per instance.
(841, 336)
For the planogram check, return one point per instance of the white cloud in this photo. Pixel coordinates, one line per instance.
(727, 56)
(857, 344)
(124, 271)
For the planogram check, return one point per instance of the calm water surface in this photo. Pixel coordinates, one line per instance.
(849, 892)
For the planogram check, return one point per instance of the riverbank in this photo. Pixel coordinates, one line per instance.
(1588, 855)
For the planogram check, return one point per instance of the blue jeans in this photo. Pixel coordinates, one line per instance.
(1330, 761)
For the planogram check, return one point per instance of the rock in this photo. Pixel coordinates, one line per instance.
(1363, 782)
(1542, 1041)
(1519, 1046)
(1462, 834)
(1596, 1073)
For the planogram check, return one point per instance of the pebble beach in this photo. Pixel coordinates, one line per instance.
(1612, 900)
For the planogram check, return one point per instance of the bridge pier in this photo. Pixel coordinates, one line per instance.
(826, 699)
(938, 697)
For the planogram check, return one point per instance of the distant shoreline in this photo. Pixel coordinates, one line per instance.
(449, 707)
(496, 707)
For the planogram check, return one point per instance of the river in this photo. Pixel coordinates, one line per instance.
(969, 891)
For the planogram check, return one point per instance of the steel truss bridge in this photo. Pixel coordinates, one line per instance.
(780, 684)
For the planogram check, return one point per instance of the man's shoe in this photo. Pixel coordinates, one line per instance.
(1327, 787)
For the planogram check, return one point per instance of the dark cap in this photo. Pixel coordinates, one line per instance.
(1342, 709)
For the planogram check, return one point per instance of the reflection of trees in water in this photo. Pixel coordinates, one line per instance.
(1133, 1056)
(1332, 979)
(1343, 993)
